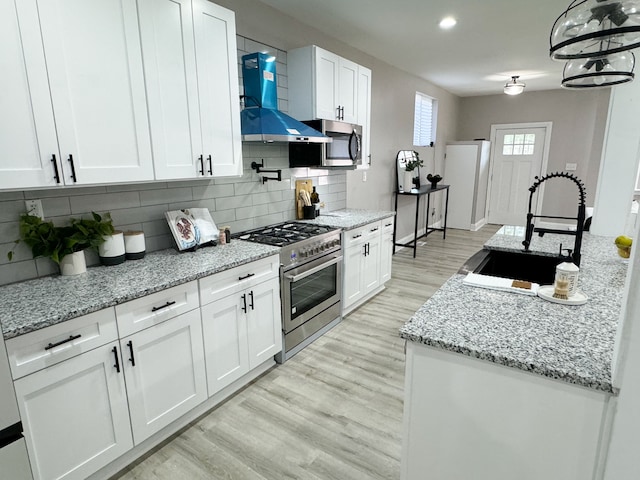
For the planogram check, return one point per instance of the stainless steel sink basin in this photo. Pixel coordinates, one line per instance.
(516, 265)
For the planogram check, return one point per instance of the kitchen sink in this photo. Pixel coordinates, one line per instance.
(516, 265)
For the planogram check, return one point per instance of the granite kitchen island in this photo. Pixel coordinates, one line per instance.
(503, 386)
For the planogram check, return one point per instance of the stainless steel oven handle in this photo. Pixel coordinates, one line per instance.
(311, 271)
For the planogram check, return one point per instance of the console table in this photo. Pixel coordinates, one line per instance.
(424, 190)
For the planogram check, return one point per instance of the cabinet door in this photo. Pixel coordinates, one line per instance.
(364, 114)
(164, 371)
(386, 251)
(348, 90)
(217, 66)
(327, 67)
(94, 62)
(264, 322)
(371, 264)
(224, 326)
(75, 415)
(27, 129)
(166, 29)
(353, 265)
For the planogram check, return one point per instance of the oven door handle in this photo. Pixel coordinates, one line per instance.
(311, 271)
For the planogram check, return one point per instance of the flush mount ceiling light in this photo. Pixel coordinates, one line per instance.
(514, 87)
(593, 28)
(447, 23)
(599, 72)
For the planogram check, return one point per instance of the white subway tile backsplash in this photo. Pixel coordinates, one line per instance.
(251, 212)
(16, 272)
(166, 195)
(56, 206)
(104, 202)
(213, 191)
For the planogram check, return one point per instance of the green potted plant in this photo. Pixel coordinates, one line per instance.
(64, 245)
(411, 173)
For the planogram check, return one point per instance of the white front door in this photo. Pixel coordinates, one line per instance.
(518, 156)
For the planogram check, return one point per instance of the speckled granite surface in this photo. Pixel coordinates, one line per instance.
(35, 304)
(349, 219)
(570, 343)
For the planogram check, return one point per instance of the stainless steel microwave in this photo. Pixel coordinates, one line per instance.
(344, 150)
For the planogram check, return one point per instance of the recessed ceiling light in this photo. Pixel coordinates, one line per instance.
(447, 23)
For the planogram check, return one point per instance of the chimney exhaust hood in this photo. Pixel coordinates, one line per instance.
(260, 120)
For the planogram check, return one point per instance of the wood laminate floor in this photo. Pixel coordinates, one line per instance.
(333, 411)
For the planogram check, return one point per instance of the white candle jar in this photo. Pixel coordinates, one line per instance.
(569, 272)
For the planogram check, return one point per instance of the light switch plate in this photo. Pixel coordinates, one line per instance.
(571, 167)
(34, 208)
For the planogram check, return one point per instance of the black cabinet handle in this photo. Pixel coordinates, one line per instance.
(244, 302)
(115, 354)
(210, 165)
(131, 359)
(168, 304)
(56, 174)
(249, 275)
(62, 342)
(338, 112)
(374, 229)
(356, 236)
(201, 160)
(251, 304)
(365, 249)
(73, 169)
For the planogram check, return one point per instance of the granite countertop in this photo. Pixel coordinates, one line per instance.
(348, 219)
(570, 343)
(34, 304)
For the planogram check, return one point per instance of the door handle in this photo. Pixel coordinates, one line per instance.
(244, 303)
(73, 169)
(131, 359)
(115, 354)
(56, 174)
(201, 160)
(210, 165)
(251, 304)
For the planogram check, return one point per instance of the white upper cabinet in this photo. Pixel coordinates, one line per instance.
(322, 85)
(94, 66)
(364, 114)
(191, 75)
(27, 128)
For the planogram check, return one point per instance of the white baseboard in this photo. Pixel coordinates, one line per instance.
(478, 225)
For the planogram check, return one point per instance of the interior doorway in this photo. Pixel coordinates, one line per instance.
(519, 153)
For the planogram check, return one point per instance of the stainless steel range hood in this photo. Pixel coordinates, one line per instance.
(260, 120)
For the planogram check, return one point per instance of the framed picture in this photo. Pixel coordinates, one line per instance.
(192, 227)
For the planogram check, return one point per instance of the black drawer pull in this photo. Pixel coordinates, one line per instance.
(115, 354)
(56, 174)
(62, 342)
(73, 169)
(388, 224)
(248, 275)
(210, 165)
(131, 359)
(201, 160)
(251, 304)
(168, 304)
(374, 229)
(356, 236)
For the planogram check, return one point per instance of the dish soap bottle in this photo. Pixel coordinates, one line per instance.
(315, 201)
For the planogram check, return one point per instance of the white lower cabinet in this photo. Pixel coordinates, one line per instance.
(164, 372)
(241, 331)
(367, 262)
(75, 415)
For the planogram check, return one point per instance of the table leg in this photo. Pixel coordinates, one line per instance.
(446, 209)
(426, 222)
(415, 227)
(395, 224)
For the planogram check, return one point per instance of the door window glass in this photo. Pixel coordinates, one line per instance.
(521, 144)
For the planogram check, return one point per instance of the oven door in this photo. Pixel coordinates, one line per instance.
(310, 289)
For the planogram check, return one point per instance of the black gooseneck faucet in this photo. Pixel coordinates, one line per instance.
(575, 255)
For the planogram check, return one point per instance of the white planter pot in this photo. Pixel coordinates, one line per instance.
(112, 250)
(407, 182)
(73, 264)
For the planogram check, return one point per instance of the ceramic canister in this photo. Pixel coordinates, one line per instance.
(112, 250)
(569, 272)
(134, 245)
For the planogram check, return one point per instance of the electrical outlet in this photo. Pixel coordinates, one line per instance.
(571, 167)
(34, 208)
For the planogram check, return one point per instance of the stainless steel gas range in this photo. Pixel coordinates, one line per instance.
(310, 280)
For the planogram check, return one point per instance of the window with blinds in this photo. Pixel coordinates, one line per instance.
(424, 121)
